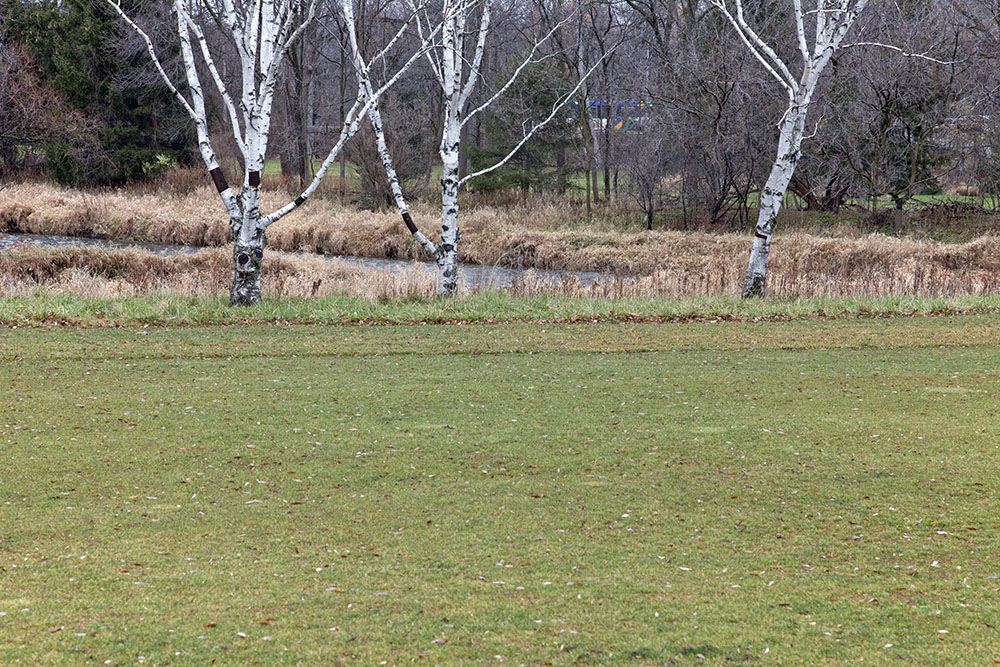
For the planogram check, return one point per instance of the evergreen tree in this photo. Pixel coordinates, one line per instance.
(82, 55)
(541, 163)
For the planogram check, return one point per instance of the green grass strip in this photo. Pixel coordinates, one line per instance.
(168, 310)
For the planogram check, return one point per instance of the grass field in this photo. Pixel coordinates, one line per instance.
(801, 492)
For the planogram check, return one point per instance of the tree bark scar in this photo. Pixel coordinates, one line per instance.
(759, 235)
(219, 179)
(409, 223)
(254, 178)
(300, 200)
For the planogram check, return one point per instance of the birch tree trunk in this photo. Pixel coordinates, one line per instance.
(447, 254)
(457, 81)
(248, 260)
(790, 133)
(249, 241)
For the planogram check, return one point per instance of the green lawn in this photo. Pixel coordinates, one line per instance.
(804, 492)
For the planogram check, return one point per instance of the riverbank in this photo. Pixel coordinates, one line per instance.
(541, 236)
(109, 273)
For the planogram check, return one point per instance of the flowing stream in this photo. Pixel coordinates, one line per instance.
(472, 275)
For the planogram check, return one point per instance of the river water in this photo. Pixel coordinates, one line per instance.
(472, 275)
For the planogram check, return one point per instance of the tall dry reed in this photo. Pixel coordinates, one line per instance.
(539, 235)
(97, 272)
(100, 272)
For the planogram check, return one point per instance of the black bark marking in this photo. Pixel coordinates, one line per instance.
(219, 179)
(300, 200)
(242, 259)
(254, 178)
(409, 223)
(760, 236)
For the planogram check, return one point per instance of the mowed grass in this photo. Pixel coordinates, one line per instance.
(801, 492)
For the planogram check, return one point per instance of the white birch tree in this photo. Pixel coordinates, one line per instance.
(458, 76)
(262, 31)
(830, 21)
(457, 69)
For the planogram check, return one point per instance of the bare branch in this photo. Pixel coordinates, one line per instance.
(116, 5)
(517, 72)
(758, 47)
(353, 118)
(902, 52)
(219, 84)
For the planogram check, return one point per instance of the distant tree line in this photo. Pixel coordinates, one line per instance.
(80, 103)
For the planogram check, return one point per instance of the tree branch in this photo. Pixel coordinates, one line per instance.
(555, 110)
(902, 52)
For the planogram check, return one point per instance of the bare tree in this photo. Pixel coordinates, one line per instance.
(829, 20)
(576, 52)
(898, 112)
(458, 70)
(263, 32)
(646, 154)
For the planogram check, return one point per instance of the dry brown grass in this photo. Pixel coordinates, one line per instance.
(534, 235)
(96, 272)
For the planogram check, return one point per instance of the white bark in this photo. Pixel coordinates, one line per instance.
(790, 132)
(832, 20)
(263, 31)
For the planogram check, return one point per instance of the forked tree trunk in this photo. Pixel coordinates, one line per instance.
(247, 262)
(249, 240)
